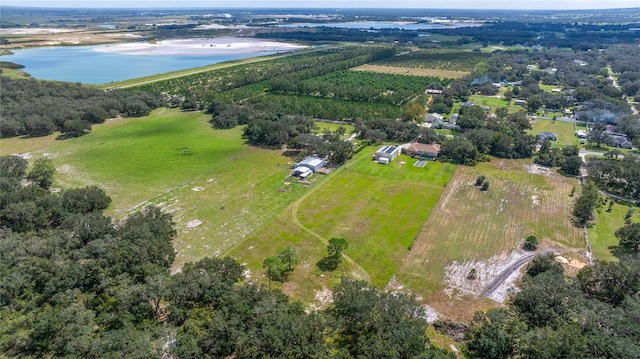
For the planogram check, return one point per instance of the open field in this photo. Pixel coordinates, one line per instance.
(471, 226)
(564, 130)
(378, 209)
(217, 188)
(394, 70)
(601, 232)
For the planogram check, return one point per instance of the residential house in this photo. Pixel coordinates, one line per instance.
(424, 150)
(543, 136)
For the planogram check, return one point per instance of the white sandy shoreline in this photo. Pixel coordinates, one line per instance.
(200, 46)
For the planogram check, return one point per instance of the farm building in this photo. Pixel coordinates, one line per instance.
(312, 163)
(423, 150)
(520, 102)
(543, 136)
(386, 154)
(302, 172)
(581, 134)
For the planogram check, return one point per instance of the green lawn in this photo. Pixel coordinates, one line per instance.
(493, 103)
(564, 130)
(333, 127)
(378, 209)
(217, 188)
(601, 232)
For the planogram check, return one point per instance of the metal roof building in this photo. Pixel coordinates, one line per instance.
(388, 152)
(312, 163)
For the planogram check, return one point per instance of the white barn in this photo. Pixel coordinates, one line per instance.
(313, 163)
(387, 153)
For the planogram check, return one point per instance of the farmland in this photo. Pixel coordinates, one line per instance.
(217, 188)
(440, 59)
(424, 72)
(471, 225)
(378, 209)
(359, 86)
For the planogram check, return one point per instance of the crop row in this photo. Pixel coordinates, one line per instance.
(437, 59)
(359, 86)
(202, 86)
(329, 108)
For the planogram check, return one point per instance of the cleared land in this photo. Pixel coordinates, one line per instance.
(412, 71)
(217, 188)
(377, 208)
(471, 226)
(564, 130)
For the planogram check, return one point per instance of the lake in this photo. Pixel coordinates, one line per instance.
(377, 25)
(92, 65)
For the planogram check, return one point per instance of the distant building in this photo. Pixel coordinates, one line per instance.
(433, 92)
(520, 102)
(543, 136)
(621, 142)
(302, 172)
(433, 116)
(453, 118)
(423, 150)
(313, 163)
(467, 104)
(386, 154)
(581, 134)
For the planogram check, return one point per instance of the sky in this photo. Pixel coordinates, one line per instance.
(423, 4)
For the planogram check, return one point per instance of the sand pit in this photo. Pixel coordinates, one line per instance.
(201, 46)
(33, 31)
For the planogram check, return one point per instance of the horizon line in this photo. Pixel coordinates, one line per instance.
(308, 7)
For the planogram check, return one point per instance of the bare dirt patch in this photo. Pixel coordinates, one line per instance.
(411, 71)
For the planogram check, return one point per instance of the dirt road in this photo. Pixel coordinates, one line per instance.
(497, 281)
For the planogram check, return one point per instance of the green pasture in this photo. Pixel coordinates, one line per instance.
(468, 224)
(493, 103)
(602, 231)
(217, 188)
(564, 130)
(378, 209)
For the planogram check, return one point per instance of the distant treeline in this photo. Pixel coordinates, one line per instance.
(38, 108)
(578, 36)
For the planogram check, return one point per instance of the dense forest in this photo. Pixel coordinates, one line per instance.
(38, 108)
(77, 284)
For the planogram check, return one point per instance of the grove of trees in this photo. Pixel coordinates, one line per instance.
(38, 108)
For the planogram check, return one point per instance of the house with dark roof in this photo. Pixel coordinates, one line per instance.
(424, 150)
(621, 142)
(543, 136)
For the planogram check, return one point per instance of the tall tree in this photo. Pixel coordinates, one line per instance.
(41, 173)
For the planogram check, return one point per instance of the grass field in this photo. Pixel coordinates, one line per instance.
(412, 71)
(493, 103)
(378, 209)
(564, 130)
(332, 126)
(468, 224)
(602, 232)
(217, 188)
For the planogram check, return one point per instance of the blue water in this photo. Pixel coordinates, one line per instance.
(83, 64)
(375, 25)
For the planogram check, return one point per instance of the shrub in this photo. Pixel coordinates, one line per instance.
(531, 243)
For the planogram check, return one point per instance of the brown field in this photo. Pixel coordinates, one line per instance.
(468, 225)
(443, 74)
